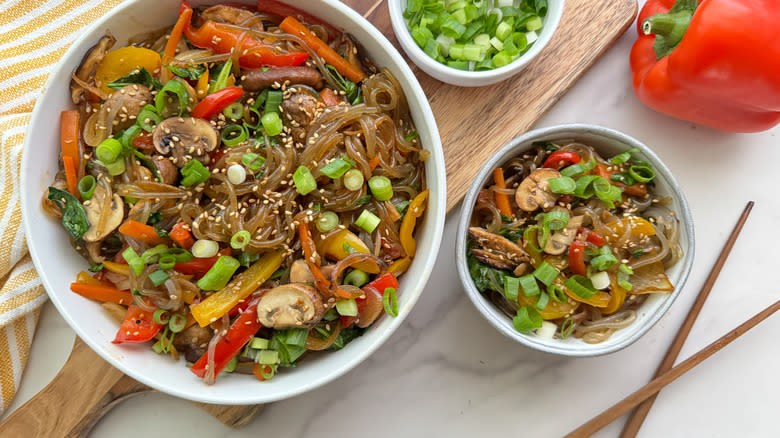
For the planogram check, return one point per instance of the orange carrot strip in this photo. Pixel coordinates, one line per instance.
(173, 41)
(71, 175)
(294, 27)
(182, 236)
(502, 200)
(372, 163)
(69, 133)
(330, 97)
(102, 293)
(141, 232)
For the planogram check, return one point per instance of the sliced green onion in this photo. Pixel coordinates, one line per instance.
(135, 261)
(579, 168)
(176, 88)
(584, 188)
(236, 174)
(353, 180)
(109, 151)
(148, 118)
(167, 261)
(390, 301)
(335, 169)
(622, 277)
(220, 81)
(421, 35)
(304, 181)
(381, 187)
(231, 366)
(580, 286)
(258, 343)
(356, 278)
(534, 24)
(86, 187)
(604, 260)
(501, 59)
(327, 221)
(233, 134)
(567, 327)
(623, 156)
(268, 357)
(253, 161)
(557, 220)
(511, 287)
(541, 303)
(273, 100)
(158, 277)
(401, 207)
(152, 254)
(643, 174)
(246, 259)
(272, 123)
(297, 337)
(217, 277)
(347, 307)
(180, 254)
(177, 322)
(234, 111)
(546, 273)
(605, 191)
(240, 240)
(204, 248)
(161, 316)
(527, 319)
(118, 167)
(368, 221)
(127, 137)
(194, 173)
(267, 375)
(563, 185)
(528, 283)
(556, 293)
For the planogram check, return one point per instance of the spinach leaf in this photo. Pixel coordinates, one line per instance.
(346, 336)
(193, 72)
(74, 216)
(352, 91)
(484, 276)
(142, 77)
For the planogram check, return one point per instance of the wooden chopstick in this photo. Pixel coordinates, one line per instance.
(656, 384)
(635, 421)
(631, 428)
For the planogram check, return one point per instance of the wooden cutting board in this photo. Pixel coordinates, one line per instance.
(473, 122)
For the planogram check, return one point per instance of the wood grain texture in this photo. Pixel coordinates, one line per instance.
(470, 134)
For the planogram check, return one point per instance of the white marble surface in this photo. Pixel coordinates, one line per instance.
(446, 372)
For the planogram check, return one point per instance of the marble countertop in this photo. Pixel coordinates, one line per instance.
(447, 372)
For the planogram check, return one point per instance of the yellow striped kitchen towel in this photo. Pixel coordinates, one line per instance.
(34, 34)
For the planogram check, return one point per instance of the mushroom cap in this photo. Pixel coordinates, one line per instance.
(94, 210)
(185, 138)
(293, 305)
(534, 191)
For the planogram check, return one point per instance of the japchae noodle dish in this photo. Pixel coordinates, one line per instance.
(245, 183)
(568, 243)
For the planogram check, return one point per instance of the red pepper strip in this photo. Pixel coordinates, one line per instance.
(144, 141)
(577, 257)
(216, 102)
(560, 159)
(138, 326)
(380, 284)
(238, 308)
(592, 236)
(196, 266)
(241, 332)
(220, 39)
(718, 74)
(284, 10)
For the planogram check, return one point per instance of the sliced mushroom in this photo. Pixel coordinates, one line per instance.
(89, 63)
(118, 112)
(497, 251)
(232, 15)
(103, 219)
(300, 272)
(291, 305)
(534, 192)
(560, 240)
(192, 342)
(168, 171)
(185, 139)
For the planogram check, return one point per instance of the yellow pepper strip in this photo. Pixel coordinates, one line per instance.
(599, 299)
(84, 277)
(639, 227)
(415, 210)
(400, 266)
(202, 87)
(231, 80)
(617, 296)
(220, 303)
(343, 243)
(121, 62)
(117, 268)
(553, 310)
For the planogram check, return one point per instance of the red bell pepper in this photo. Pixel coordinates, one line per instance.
(560, 159)
(197, 266)
(138, 326)
(380, 283)
(239, 333)
(577, 257)
(592, 236)
(221, 39)
(216, 102)
(716, 64)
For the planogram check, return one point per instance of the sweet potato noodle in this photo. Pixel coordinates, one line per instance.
(569, 243)
(247, 196)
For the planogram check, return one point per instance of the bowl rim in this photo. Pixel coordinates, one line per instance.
(436, 214)
(454, 75)
(511, 149)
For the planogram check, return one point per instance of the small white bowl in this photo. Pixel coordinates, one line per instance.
(471, 78)
(58, 263)
(607, 142)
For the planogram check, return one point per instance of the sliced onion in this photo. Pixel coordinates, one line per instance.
(370, 309)
(354, 259)
(315, 344)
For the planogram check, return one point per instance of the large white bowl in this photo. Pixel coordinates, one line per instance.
(607, 142)
(58, 263)
(463, 78)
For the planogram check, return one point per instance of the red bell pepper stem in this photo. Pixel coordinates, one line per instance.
(560, 159)
(241, 332)
(216, 102)
(138, 326)
(577, 258)
(221, 39)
